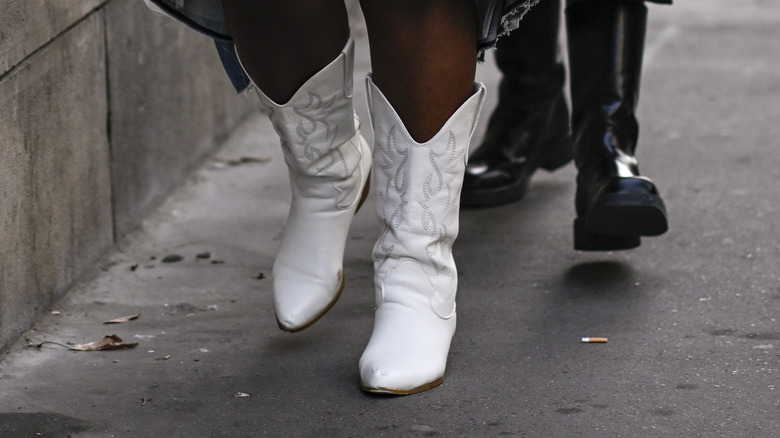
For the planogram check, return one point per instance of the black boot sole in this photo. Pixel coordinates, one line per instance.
(559, 153)
(616, 222)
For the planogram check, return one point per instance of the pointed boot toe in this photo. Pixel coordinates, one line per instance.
(394, 374)
(302, 304)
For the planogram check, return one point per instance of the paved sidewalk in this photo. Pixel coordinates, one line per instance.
(691, 316)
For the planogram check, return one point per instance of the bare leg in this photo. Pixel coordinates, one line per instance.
(283, 43)
(423, 57)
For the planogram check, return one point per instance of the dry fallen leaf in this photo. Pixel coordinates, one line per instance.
(123, 319)
(112, 342)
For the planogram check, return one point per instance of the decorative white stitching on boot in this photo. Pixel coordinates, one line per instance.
(317, 112)
(439, 232)
(385, 158)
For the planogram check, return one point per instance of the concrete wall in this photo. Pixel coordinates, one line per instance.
(104, 109)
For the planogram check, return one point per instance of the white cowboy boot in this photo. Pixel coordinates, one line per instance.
(418, 201)
(329, 163)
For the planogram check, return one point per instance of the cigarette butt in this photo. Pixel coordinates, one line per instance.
(594, 340)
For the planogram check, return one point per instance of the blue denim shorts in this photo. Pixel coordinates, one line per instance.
(495, 18)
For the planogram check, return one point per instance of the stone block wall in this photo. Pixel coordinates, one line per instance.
(104, 109)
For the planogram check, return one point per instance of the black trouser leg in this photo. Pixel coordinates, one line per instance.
(615, 205)
(530, 126)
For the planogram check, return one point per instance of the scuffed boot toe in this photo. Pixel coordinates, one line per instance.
(298, 305)
(399, 375)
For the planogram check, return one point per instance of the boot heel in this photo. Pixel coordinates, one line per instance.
(561, 151)
(364, 195)
(584, 240)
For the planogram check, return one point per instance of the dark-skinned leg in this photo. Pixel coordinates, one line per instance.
(424, 106)
(299, 53)
(283, 43)
(423, 56)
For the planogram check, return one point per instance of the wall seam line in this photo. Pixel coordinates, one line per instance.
(12, 69)
(109, 139)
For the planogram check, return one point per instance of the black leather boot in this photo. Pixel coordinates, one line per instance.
(529, 128)
(615, 205)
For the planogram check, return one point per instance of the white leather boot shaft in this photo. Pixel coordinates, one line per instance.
(418, 201)
(329, 163)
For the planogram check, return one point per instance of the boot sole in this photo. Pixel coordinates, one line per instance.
(560, 154)
(618, 221)
(422, 388)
